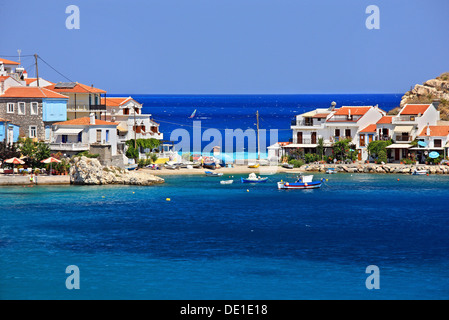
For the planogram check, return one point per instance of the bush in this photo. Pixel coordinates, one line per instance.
(88, 155)
(296, 163)
(382, 156)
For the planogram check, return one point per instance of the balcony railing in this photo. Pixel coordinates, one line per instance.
(403, 138)
(338, 138)
(86, 107)
(69, 146)
(402, 119)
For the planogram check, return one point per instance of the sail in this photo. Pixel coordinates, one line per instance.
(193, 114)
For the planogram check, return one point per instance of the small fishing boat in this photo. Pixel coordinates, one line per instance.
(226, 181)
(213, 174)
(304, 182)
(419, 172)
(252, 178)
(131, 167)
(331, 171)
(210, 165)
(253, 165)
(287, 166)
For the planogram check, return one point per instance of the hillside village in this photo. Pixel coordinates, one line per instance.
(70, 117)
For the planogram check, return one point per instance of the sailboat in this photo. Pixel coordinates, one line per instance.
(193, 114)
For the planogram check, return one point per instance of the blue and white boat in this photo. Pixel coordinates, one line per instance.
(252, 178)
(331, 171)
(304, 182)
(213, 174)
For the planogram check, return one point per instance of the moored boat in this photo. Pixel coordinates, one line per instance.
(226, 181)
(253, 165)
(210, 165)
(331, 171)
(252, 178)
(287, 166)
(213, 174)
(419, 172)
(304, 182)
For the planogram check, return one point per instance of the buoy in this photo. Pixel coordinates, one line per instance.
(398, 179)
(327, 180)
(167, 199)
(102, 196)
(247, 190)
(133, 192)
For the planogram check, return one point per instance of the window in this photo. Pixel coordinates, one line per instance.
(33, 131)
(348, 133)
(64, 138)
(107, 135)
(98, 135)
(80, 136)
(125, 111)
(10, 108)
(34, 108)
(21, 109)
(437, 143)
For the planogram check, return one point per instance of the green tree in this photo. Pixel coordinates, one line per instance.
(378, 148)
(320, 148)
(8, 151)
(341, 148)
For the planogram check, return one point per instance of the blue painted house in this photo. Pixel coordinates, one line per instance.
(9, 132)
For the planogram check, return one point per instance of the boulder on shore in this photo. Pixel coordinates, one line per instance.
(89, 171)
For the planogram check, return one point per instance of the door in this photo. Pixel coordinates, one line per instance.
(299, 138)
(313, 137)
(396, 154)
(362, 140)
(359, 154)
(347, 133)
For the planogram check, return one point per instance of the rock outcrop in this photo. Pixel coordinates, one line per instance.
(377, 168)
(89, 171)
(433, 89)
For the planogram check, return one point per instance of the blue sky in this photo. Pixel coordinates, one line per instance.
(232, 46)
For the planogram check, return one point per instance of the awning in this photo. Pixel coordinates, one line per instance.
(122, 127)
(66, 131)
(425, 149)
(308, 114)
(399, 146)
(300, 145)
(403, 128)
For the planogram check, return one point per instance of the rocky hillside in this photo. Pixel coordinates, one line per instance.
(430, 90)
(91, 172)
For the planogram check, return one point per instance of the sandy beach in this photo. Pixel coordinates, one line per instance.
(243, 169)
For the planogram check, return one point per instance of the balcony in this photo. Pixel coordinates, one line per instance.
(85, 107)
(403, 138)
(404, 119)
(338, 138)
(78, 146)
(309, 124)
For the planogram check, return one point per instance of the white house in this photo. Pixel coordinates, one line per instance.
(87, 134)
(132, 123)
(408, 124)
(433, 138)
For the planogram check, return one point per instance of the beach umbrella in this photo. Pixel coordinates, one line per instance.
(422, 144)
(434, 155)
(14, 161)
(50, 161)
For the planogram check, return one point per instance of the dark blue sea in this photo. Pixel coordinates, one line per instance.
(213, 241)
(239, 241)
(223, 112)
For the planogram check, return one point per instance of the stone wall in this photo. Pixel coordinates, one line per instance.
(26, 120)
(377, 168)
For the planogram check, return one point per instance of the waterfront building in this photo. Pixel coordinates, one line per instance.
(83, 99)
(408, 124)
(132, 123)
(33, 109)
(9, 132)
(433, 138)
(88, 134)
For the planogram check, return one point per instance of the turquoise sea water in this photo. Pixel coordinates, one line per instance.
(215, 241)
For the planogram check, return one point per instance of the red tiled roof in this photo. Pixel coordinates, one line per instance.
(355, 111)
(435, 131)
(85, 121)
(414, 109)
(116, 101)
(320, 115)
(78, 88)
(6, 61)
(4, 120)
(385, 120)
(31, 92)
(370, 128)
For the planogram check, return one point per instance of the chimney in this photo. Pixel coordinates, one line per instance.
(428, 130)
(436, 103)
(92, 118)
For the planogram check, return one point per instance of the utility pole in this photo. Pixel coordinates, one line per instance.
(258, 138)
(37, 69)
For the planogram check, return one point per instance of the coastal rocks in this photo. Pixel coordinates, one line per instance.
(88, 171)
(377, 168)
